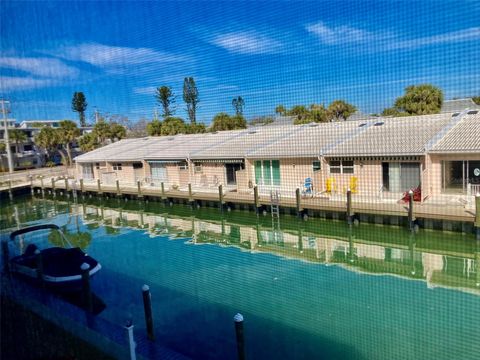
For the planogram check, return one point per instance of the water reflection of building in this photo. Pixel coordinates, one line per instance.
(439, 268)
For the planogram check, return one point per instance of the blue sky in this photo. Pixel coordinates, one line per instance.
(267, 52)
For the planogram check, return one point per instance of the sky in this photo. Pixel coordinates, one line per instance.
(268, 52)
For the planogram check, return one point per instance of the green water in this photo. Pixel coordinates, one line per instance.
(315, 289)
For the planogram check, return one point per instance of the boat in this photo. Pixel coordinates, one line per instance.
(60, 267)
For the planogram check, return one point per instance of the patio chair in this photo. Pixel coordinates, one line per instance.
(308, 187)
(331, 185)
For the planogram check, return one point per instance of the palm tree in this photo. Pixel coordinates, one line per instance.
(68, 132)
(18, 136)
(102, 131)
(154, 128)
(47, 139)
(117, 132)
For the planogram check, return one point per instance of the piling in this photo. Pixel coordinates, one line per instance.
(255, 199)
(66, 185)
(39, 263)
(298, 202)
(238, 319)
(163, 190)
(86, 291)
(147, 307)
(41, 184)
(117, 183)
(190, 194)
(477, 215)
(53, 185)
(410, 210)
(139, 189)
(99, 186)
(81, 186)
(349, 206)
(131, 342)
(32, 191)
(220, 196)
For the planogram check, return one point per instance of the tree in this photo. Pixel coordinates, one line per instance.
(47, 139)
(223, 121)
(102, 131)
(340, 110)
(117, 132)
(476, 99)
(190, 96)
(421, 99)
(173, 126)
(238, 103)
(3, 148)
(67, 132)
(88, 142)
(280, 110)
(301, 113)
(166, 99)
(79, 104)
(138, 129)
(318, 113)
(154, 128)
(196, 128)
(17, 136)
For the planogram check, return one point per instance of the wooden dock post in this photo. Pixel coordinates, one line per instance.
(239, 333)
(86, 291)
(349, 206)
(41, 184)
(139, 189)
(66, 185)
(477, 215)
(32, 191)
(99, 187)
(10, 195)
(81, 186)
(410, 210)
(190, 194)
(163, 190)
(255, 199)
(117, 184)
(220, 196)
(298, 202)
(147, 307)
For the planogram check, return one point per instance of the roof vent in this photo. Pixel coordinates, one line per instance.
(380, 123)
(455, 114)
(171, 138)
(313, 124)
(362, 124)
(472, 112)
(252, 132)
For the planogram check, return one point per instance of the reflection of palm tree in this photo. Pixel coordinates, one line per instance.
(80, 239)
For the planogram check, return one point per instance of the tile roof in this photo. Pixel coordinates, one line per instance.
(463, 137)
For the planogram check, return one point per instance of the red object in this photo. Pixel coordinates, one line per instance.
(417, 195)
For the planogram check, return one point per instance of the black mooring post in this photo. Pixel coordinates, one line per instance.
(147, 307)
(238, 319)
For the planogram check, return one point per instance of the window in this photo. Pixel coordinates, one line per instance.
(198, 168)
(267, 172)
(97, 166)
(316, 166)
(183, 165)
(137, 165)
(341, 167)
(27, 147)
(116, 166)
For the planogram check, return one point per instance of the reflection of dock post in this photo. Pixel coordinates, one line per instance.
(147, 307)
(255, 199)
(351, 245)
(220, 196)
(238, 319)
(131, 342)
(300, 240)
(411, 246)
(349, 206)
(87, 294)
(39, 263)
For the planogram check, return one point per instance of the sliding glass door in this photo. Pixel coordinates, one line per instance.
(267, 172)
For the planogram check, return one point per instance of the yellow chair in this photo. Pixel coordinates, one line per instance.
(330, 185)
(353, 184)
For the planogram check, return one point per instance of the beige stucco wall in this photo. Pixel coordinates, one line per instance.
(211, 175)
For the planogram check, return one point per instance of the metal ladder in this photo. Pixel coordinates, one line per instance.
(275, 208)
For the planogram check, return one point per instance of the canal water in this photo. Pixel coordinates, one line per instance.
(307, 290)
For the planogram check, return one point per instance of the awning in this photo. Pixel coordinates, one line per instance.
(224, 161)
(165, 161)
(372, 158)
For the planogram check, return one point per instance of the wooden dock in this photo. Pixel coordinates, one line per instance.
(375, 211)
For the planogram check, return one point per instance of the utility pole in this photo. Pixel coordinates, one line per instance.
(96, 115)
(155, 114)
(6, 136)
